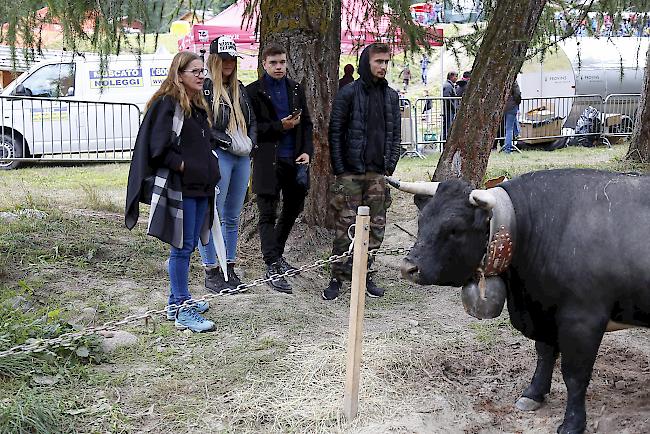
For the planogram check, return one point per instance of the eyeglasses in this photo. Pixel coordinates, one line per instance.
(197, 72)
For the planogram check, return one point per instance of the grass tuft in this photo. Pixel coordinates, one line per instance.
(30, 412)
(97, 201)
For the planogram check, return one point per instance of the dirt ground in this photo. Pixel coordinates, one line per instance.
(276, 362)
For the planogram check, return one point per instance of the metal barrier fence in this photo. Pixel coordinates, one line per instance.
(621, 114)
(51, 129)
(433, 120)
(409, 139)
(539, 120)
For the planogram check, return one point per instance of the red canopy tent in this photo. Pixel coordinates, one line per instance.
(228, 22)
(356, 31)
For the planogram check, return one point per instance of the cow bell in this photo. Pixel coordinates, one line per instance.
(485, 303)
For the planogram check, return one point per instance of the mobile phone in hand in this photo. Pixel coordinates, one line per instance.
(296, 113)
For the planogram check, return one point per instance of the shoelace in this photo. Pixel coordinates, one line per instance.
(193, 314)
(285, 264)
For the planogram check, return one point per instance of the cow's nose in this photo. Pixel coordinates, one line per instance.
(409, 269)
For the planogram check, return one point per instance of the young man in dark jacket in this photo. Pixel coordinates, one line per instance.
(364, 139)
(284, 144)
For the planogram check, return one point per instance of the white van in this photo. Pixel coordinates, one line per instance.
(75, 109)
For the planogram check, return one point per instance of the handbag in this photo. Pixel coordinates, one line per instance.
(221, 139)
(241, 144)
(148, 183)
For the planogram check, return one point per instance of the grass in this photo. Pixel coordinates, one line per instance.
(98, 201)
(490, 332)
(30, 412)
(516, 164)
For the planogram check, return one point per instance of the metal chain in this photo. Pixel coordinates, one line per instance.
(390, 251)
(40, 345)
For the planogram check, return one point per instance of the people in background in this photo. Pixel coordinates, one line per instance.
(176, 174)
(438, 12)
(348, 71)
(424, 68)
(405, 75)
(449, 105)
(461, 85)
(234, 130)
(426, 108)
(510, 114)
(284, 136)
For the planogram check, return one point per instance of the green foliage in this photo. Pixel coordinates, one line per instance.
(397, 26)
(26, 379)
(99, 201)
(99, 25)
(30, 412)
(23, 321)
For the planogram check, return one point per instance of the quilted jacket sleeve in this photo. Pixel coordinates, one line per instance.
(338, 127)
(395, 147)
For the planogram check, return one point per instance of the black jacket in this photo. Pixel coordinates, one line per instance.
(269, 133)
(220, 125)
(461, 87)
(349, 121)
(155, 147)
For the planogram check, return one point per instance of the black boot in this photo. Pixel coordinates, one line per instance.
(214, 281)
(233, 278)
(284, 266)
(332, 292)
(372, 289)
(279, 284)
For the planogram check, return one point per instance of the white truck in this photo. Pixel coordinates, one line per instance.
(585, 66)
(73, 108)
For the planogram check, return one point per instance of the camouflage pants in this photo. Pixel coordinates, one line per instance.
(348, 193)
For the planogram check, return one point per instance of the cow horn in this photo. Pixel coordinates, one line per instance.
(482, 199)
(426, 188)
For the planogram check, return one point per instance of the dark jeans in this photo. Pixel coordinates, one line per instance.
(274, 231)
(448, 118)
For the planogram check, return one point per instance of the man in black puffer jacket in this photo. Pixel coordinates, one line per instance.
(364, 139)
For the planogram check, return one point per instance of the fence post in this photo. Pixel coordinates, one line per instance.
(357, 304)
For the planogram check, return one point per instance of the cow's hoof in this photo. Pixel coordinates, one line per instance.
(527, 404)
(562, 430)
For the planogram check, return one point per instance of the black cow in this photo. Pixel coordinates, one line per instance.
(580, 262)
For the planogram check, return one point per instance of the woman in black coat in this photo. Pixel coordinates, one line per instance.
(177, 175)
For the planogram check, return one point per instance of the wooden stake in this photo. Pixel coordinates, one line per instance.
(357, 304)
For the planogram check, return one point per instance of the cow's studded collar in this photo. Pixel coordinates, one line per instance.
(503, 229)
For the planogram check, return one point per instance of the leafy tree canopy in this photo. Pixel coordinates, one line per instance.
(99, 24)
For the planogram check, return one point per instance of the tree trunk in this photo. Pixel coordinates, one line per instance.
(640, 143)
(310, 30)
(499, 59)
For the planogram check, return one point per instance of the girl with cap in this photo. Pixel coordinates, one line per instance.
(235, 131)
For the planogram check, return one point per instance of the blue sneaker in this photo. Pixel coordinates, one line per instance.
(189, 318)
(200, 306)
